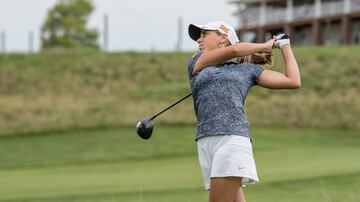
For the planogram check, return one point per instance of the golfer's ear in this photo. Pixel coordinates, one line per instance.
(224, 38)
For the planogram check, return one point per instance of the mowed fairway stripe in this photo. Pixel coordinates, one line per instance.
(290, 164)
(97, 165)
(152, 175)
(298, 163)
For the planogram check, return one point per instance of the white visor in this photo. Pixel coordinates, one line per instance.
(195, 30)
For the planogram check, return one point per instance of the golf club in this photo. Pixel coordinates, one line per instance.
(144, 127)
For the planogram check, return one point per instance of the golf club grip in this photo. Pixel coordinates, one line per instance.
(170, 106)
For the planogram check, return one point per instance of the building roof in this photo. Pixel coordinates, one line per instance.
(252, 1)
(270, 2)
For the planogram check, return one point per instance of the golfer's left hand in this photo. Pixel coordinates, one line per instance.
(281, 40)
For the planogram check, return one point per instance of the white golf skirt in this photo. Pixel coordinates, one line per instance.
(227, 156)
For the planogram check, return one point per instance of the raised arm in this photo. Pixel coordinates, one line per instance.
(221, 55)
(288, 80)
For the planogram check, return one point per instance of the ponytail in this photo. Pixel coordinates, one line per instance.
(257, 58)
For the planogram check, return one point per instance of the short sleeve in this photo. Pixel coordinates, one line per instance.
(257, 70)
(191, 64)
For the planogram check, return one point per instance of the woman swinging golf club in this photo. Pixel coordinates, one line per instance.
(219, 86)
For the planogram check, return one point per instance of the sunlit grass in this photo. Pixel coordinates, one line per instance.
(116, 165)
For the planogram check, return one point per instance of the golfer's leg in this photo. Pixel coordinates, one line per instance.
(224, 189)
(240, 196)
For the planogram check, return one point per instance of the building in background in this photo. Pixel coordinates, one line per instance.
(309, 22)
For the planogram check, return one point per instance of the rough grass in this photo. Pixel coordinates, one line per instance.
(60, 91)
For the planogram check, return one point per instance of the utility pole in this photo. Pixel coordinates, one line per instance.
(180, 30)
(31, 42)
(106, 32)
(3, 41)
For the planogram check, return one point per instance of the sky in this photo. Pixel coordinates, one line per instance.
(134, 25)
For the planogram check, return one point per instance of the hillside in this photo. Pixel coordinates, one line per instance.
(53, 91)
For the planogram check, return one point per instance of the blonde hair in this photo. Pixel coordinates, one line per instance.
(257, 58)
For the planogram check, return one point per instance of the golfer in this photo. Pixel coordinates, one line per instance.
(219, 85)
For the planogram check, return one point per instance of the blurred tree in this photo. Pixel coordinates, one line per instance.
(65, 26)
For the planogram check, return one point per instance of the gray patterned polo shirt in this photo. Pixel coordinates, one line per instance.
(219, 93)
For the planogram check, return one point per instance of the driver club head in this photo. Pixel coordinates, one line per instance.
(144, 128)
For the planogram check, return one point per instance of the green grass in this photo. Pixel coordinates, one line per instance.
(115, 165)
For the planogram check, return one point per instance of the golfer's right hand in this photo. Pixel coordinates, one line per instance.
(269, 45)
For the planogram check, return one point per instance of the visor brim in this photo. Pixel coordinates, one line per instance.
(195, 31)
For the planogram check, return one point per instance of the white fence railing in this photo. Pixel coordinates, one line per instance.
(332, 8)
(304, 11)
(251, 17)
(355, 5)
(276, 15)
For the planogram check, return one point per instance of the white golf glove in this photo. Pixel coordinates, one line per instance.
(281, 40)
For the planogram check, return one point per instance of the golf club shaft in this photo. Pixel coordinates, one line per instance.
(170, 106)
